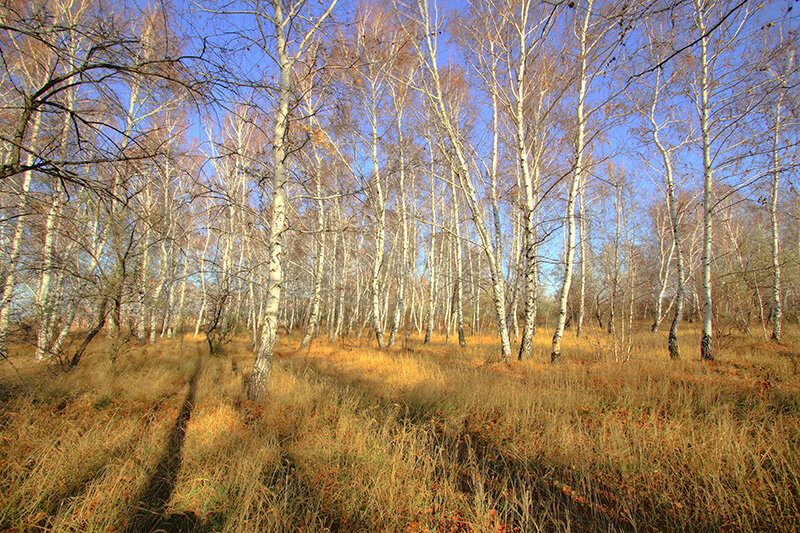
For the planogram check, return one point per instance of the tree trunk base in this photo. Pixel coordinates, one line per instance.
(705, 348)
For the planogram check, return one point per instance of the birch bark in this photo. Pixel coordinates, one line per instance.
(666, 156)
(580, 140)
(708, 191)
(777, 304)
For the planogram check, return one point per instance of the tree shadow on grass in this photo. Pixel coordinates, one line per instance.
(302, 506)
(155, 495)
(529, 493)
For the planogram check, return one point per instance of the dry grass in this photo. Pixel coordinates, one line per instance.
(415, 438)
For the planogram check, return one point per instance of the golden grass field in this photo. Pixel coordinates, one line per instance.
(416, 438)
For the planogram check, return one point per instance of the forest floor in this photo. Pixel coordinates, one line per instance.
(421, 437)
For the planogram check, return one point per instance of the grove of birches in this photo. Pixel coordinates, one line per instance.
(385, 169)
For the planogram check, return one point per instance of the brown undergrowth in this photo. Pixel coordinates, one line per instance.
(420, 437)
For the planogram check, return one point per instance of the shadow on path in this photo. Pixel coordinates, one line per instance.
(155, 495)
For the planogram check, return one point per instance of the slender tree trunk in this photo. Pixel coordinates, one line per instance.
(400, 309)
(569, 244)
(166, 321)
(154, 313)
(498, 232)
(708, 316)
(459, 289)
(443, 114)
(9, 283)
(313, 321)
(584, 250)
(632, 300)
(178, 314)
(44, 299)
(516, 269)
(432, 257)
(269, 336)
(203, 292)
(69, 316)
(530, 180)
(659, 314)
(680, 291)
(672, 340)
(473, 293)
(478, 317)
(498, 283)
(332, 315)
(777, 307)
(357, 306)
(116, 327)
(385, 283)
(447, 282)
(142, 289)
(337, 332)
(48, 343)
(162, 287)
(379, 206)
(615, 270)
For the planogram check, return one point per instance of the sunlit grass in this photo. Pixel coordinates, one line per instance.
(418, 437)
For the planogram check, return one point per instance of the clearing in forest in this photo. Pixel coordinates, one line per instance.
(423, 437)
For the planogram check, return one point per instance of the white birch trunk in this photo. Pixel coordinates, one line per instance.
(569, 243)
(263, 362)
(672, 340)
(379, 208)
(459, 288)
(528, 179)
(614, 281)
(203, 295)
(142, 289)
(431, 255)
(708, 316)
(44, 301)
(663, 275)
(9, 282)
(777, 307)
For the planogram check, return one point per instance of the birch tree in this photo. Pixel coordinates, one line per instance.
(583, 14)
(703, 109)
(656, 126)
(712, 82)
(780, 70)
(445, 112)
(288, 49)
(666, 252)
(318, 142)
(400, 90)
(526, 64)
(592, 31)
